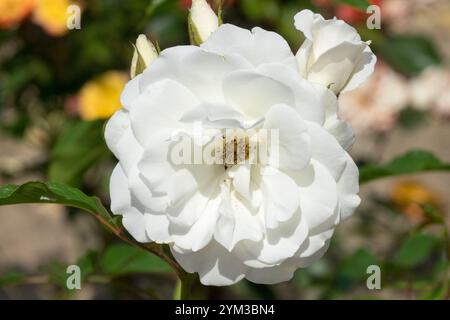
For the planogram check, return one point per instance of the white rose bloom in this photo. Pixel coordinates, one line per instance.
(333, 53)
(254, 221)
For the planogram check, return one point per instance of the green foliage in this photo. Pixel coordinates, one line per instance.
(11, 278)
(79, 147)
(118, 260)
(360, 4)
(411, 118)
(57, 274)
(41, 72)
(87, 264)
(439, 292)
(414, 161)
(56, 193)
(255, 10)
(415, 250)
(121, 259)
(292, 35)
(409, 54)
(354, 267)
(22, 71)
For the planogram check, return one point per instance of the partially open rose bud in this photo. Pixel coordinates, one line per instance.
(144, 54)
(202, 21)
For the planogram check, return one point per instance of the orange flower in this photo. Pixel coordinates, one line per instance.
(52, 15)
(100, 97)
(410, 197)
(12, 12)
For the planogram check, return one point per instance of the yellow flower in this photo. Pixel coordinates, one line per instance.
(14, 11)
(52, 15)
(410, 197)
(100, 97)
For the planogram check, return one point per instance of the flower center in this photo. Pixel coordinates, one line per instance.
(237, 150)
(237, 147)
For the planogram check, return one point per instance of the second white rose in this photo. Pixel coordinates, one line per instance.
(333, 53)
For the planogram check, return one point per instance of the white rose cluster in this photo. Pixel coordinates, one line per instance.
(240, 219)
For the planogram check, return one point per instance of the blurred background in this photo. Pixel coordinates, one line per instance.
(57, 87)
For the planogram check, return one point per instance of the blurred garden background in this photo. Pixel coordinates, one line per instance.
(58, 86)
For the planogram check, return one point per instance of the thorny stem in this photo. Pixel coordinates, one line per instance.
(153, 248)
(186, 280)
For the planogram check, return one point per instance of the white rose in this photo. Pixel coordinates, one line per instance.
(254, 221)
(333, 53)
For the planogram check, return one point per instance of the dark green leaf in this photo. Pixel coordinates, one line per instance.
(11, 278)
(410, 118)
(51, 192)
(409, 54)
(256, 11)
(360, 4)
(121, 259)
(87, 264)
(57, 274)
(57, 271)
(414, 161)
(79, 147)
(355, 267)
(415, 250)
(437, 293)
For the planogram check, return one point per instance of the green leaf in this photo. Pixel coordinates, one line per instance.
(355, 267)
(414, 161)
(415, 250)
(11, 278)
(57, 274)
(56, 193)
(57, 271)
(438, 293)
(409, 54)
(410, 118)
(255, 11)
(360, 4)
(87, 264)
(79, 147)
(121, 259)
